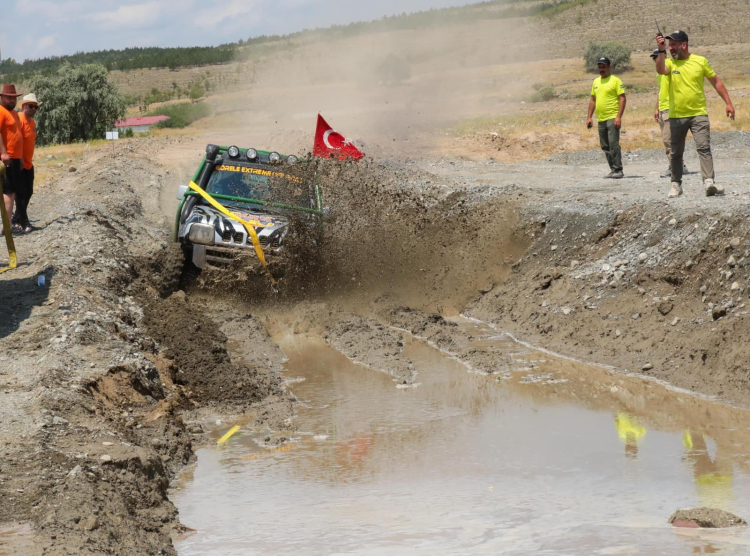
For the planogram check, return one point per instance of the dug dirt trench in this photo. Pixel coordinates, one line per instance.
(440, 456)
(415, 429)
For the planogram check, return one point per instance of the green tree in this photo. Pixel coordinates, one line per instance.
(79, 104)
(618, 54)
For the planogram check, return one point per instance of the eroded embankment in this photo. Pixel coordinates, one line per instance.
(100, 366)
(651, 289)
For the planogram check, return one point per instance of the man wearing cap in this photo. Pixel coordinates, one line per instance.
(661, 117)
(608, 97)
(11, 144)
(29, 106)
(687, 107)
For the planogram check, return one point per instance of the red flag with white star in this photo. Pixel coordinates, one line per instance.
(329, 143)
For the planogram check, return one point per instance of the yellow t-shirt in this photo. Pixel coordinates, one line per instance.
(607, 92)
(686, 95)
(663, 81)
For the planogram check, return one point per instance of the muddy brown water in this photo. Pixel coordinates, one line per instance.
(549, 456)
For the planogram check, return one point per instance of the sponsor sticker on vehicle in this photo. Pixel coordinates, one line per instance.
(259, 172)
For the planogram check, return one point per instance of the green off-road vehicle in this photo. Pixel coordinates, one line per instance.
(263, 188)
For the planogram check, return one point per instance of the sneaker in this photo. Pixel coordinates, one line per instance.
(684, 169)
(609, 175)
(719, 189)
(676, 190)
(710, 187)
(617, 175)
(667, 173)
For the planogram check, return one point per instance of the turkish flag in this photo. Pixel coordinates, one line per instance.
(331, 144)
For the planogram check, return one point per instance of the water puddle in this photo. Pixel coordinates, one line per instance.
(549, 456)
(16, 538)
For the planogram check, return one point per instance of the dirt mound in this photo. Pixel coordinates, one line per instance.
(369, 342)
(705, 517)
(198, 348)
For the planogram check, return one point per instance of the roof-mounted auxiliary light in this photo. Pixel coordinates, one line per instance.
(274, 158)
(251, 154)
(233, 152)
(291, 159)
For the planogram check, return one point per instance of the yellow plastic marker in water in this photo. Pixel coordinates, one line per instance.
(12, 259)
(249, 227)
(228, 435)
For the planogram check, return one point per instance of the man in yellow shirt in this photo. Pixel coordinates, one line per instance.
(661, 117)
(608, 98)
(687, 107)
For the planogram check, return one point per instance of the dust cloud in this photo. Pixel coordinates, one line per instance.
(393, 92)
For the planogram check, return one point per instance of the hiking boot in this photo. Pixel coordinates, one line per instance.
(710, 187)
(719, 189)
(617, 175)
(667, 173)
(609, 175)
(676, 190)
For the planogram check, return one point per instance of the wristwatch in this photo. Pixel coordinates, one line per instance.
(662, 52)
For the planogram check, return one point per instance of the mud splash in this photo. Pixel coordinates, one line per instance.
(544, 455)
(390, 232)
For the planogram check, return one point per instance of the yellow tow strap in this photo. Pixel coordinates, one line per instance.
(12, 259)
(248, 226)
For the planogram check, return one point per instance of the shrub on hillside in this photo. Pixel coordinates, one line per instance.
(181, 115)
(619, 55)
(543, 94)
(79, 104)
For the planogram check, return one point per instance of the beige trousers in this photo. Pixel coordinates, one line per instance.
(701, 130)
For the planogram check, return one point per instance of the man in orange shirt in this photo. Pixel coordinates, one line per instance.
(11, 144)
(29, 106)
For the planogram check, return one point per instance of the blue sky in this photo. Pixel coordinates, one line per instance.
(56, 27)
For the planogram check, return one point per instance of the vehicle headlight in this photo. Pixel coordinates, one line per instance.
(233, 152)
(291, 159)
(274, 158)
(202, 234)
(251, 154)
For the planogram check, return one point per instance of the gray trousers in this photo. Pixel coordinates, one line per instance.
(701, 130)
(666, 133)
(609, 139)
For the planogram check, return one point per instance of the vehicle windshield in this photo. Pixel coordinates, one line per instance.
(259, 184)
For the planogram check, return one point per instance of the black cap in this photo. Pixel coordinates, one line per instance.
(678, 36)
(604, 60)
(655, 53)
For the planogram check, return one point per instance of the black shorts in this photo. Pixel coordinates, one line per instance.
(12, 176)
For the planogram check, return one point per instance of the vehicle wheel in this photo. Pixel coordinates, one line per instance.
(190, 271)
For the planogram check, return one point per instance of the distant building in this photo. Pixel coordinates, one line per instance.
(139, 125)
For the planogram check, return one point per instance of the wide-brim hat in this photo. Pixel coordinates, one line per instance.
(30, 99)
(9, 90)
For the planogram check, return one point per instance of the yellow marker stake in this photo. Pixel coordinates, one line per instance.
(228, 435)
(249, 227)
(12, 259)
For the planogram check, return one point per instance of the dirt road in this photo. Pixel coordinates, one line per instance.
(109, 372)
